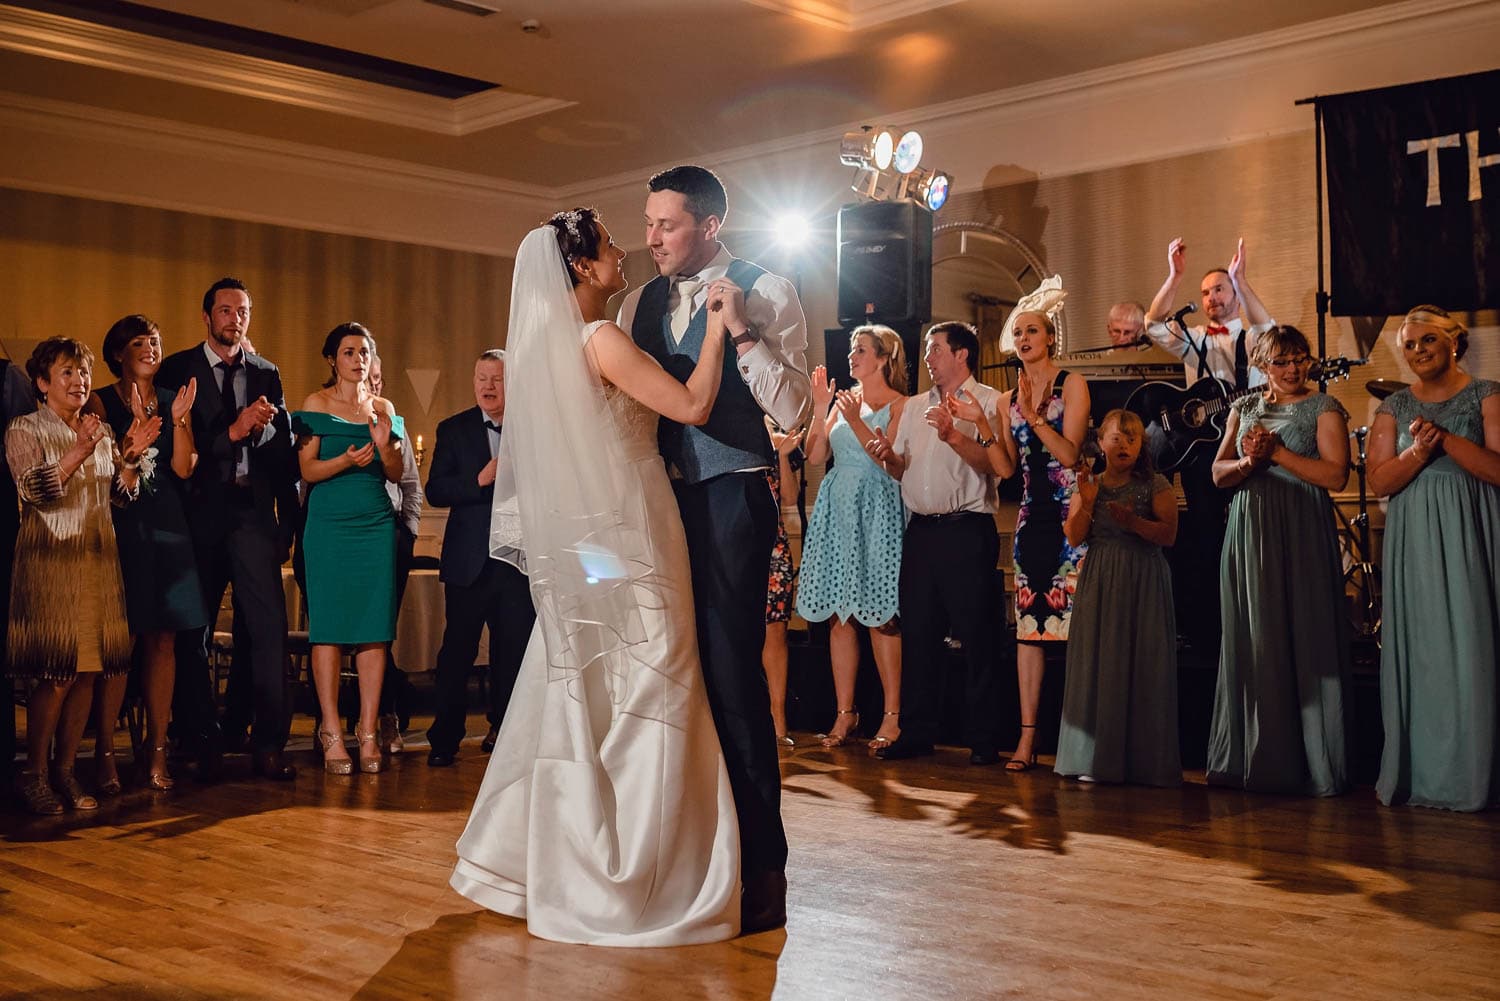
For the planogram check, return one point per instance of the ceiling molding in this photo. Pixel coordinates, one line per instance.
(851, 15)
(1244, 55)
(55, 37)
(72, 149)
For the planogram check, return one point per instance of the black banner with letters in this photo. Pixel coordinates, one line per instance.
(1414, 196)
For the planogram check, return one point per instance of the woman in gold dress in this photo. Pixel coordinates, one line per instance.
(67, 605)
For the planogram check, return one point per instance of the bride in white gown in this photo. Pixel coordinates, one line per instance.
(606, 815)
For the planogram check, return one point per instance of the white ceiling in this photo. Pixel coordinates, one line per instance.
(606, 87)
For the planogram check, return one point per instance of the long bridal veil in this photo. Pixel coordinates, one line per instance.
(563, 511)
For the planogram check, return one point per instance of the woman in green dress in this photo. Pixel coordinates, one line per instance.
(1435, 451)
(349, 445)
(1119, 715)
(1278, 721)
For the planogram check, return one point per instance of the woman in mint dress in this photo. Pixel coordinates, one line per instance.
(349, 445)
(1435, 451)
(851, 558)
(1278, 721)
(1119, 714)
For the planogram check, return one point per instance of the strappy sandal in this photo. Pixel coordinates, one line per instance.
(880, 743)
(1018, 763)
(107, 786)
(371, 763)
(158, 781)
(334, 766)
(831, 740)
(73, 796)
(38, 795)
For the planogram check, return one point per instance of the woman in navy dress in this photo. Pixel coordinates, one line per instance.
(162, 593)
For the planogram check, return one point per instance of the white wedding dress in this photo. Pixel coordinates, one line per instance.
(606, 815)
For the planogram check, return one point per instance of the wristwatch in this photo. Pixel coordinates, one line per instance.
(748, 337)
(985, 442)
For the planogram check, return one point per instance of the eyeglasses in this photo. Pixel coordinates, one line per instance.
(1296, 362)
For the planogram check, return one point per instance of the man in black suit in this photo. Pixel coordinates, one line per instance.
(243, 434)
(17, 397)
(477, 588)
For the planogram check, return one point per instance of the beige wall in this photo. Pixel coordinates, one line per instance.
(73, 266)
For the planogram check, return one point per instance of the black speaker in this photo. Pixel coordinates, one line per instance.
(885, 263)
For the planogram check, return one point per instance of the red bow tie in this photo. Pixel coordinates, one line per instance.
(1214, 328)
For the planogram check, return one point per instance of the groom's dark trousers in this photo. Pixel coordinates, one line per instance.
(730, 523)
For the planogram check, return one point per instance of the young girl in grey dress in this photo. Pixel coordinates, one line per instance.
(1119, 718)
(1278, 722)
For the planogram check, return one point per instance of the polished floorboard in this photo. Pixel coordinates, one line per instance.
(919, 880)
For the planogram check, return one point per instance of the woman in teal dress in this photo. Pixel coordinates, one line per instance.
(162, 594)
(1119, 716)
(1435, 451)
(349, 445)
(851, 558)
(1278, 721)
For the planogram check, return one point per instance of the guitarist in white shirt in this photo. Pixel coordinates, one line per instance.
(1220, 349)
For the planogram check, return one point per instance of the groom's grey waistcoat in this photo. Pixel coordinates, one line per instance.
(735, 436)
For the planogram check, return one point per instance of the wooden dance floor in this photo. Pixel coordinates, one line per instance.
(908, 881)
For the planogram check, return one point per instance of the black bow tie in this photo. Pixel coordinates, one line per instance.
(492, 426)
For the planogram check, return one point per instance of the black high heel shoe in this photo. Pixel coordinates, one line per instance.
(1018, 763)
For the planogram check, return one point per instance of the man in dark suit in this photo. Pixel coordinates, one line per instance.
(17, 397)
(728, 515)
(243, 434)
(477, 588)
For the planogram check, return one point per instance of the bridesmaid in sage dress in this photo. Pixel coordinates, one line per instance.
(1435, 451)
(162, 593)
(1119, 716)
(348, 447)
(1278, 721)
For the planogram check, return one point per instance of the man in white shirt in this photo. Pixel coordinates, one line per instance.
(949, 553)
(1222, 346)
(728, 515)
(1221, 349)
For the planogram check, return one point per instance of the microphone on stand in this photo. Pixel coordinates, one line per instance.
(1184, 311)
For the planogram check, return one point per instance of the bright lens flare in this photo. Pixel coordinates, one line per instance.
(792, 230)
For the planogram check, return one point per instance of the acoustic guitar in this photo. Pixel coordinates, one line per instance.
(1178, 420)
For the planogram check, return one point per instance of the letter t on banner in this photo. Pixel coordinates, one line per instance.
(1431, 147)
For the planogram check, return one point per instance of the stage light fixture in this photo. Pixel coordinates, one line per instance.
(908, 153)
(931, 188)
(870, 147)
(888, 168)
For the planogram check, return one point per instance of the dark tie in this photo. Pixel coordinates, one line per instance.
(492, 426)
(232, 408)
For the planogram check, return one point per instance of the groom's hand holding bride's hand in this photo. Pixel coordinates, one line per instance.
(487, 474)
(726, 300)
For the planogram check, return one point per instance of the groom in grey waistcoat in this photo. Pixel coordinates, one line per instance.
(728, 513)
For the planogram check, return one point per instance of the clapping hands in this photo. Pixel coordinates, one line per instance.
(1426, 438)
(849, 402)
(823, 390)
(1259, 445)
(380, 429)
(963, 407)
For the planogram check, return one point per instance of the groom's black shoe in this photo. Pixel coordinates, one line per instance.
(902, 749)
(763, 902)
(439, 759)
(984, 756)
